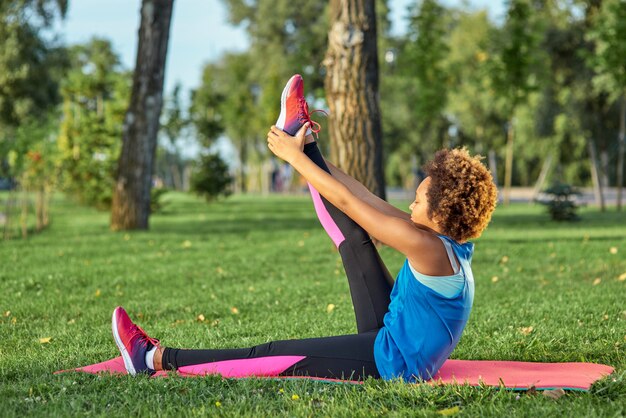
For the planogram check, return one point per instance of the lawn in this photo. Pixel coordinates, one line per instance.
(251, 269)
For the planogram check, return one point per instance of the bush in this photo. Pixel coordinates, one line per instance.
(562, 206)
(211, 177)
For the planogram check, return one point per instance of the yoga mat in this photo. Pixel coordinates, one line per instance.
(510, 374)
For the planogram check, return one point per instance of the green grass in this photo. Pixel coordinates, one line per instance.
(269, 258)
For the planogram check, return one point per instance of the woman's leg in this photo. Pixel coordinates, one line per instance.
(369, 279)
(341, 357)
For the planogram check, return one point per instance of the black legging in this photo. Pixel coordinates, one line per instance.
(345, 356)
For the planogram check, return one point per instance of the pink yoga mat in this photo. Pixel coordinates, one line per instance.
(511, 374)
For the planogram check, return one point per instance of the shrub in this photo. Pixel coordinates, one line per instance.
(211, 177)
(562, 205)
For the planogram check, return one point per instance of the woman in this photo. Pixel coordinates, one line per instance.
(406, 329)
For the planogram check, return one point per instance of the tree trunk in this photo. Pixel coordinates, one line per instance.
(352, 92)
(493, 166)
(620, 152)
(131, 197)
(595, 175)
(243, 159)
(508, 163)
(545, 169)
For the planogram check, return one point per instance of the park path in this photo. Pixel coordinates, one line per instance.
(525, 194)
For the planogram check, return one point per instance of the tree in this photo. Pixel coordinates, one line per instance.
(352, 92)
(95, 96)
(512, 69)
(609, 33)
(225, 103)
(131, 196)
(30, 66)
(173, 125)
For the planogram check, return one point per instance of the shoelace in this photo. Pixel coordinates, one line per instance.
(305, 116)
(136, 329)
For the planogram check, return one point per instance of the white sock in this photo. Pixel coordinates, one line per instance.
(150, 358)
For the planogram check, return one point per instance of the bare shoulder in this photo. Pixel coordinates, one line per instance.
(429, 256)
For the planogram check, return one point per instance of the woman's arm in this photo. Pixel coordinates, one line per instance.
(360, 191)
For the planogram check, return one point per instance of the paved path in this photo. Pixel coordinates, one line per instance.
(525, 194)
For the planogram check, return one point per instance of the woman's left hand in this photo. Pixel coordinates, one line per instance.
(285, 146)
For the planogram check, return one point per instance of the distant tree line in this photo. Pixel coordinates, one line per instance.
(541, 93)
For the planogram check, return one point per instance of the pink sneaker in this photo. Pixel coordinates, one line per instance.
(132, 342)
(294, 110)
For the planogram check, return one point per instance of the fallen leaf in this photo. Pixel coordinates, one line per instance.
(613, 250)
(555, 393)
(505, 259)
(45, 340)
(449, 411)
(219, 270)
(526, 330)
(7, 313)
(494, 279)
(97, 294)
(71, 321)
(622, 277)
(14, 320)
(597, 281)
(234, 310)
(605, 317)
(330, 308)
(200, 318)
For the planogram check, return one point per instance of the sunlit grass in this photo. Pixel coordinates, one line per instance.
(251, 269)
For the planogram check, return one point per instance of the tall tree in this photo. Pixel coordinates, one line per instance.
(95, 97)
(172, 127)
(131, 197)
(609, 34)
(512, 70)
(224, 103)
(472, 102)
(352, 92)
(30, 65)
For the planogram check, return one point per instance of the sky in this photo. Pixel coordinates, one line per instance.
(199, 33)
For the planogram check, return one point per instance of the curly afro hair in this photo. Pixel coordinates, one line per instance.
(462, 195)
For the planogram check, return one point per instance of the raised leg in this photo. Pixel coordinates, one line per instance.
(369, 279)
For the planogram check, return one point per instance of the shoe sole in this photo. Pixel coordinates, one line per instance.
(280, 123)
(128, 363)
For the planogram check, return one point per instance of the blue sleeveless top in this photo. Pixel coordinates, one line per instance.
(422, 326)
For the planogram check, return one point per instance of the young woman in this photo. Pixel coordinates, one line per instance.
(405, 329)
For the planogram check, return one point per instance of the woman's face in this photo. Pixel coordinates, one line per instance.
(419, 207)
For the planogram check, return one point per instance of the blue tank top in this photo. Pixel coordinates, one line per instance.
(422, 326)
